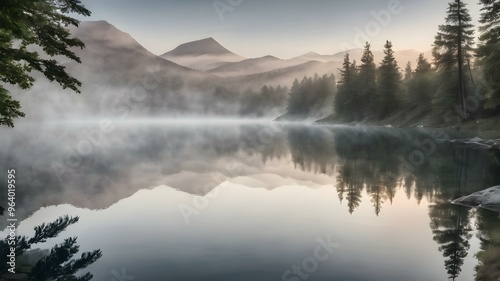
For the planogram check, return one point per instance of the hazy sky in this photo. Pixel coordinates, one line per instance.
(283, 28)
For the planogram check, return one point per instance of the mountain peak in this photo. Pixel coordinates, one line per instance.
(207, 46)
(103, 33)
(208, 39)
(269, 57)
(311, 54)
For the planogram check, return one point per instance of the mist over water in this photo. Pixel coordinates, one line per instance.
(250, 197)
(189, 165)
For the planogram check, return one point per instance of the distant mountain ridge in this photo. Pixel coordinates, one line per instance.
(207, 46)
(202, 54)
(113, 63)
(210, 56)
(251, 66)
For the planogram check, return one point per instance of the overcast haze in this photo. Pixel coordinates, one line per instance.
(283, 28)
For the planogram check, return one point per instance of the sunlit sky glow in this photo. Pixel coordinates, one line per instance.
(283, 28)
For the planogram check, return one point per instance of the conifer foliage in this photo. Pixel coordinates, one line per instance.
(453, 48)
(347, 100)
(389, 84)
(488, 51)
(36, 22)
(310, 95)
(59, 263)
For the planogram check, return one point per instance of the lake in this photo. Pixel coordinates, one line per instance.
(257, 200)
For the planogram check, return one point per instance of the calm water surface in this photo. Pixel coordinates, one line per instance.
(263, 201)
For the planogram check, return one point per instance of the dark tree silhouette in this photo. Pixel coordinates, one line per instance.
(488, 50)
(42, 23)
(389, 83)
(367, 83)
(452, 231)
(310, 95)
(408, 72)
(59, 263)
(420, 87)
(453, 46)
(347, 100)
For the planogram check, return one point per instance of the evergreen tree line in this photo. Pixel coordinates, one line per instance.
(310, 94)
(461, 78)
(257, 104)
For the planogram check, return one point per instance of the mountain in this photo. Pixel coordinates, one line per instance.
(210, 56)
(120, 77)
(251, 66)
(108, 49)
(402, 56)
(203, 54)
(325, 64)
(286, 76)
(206, 46)
(354, 54)
(411, 55)
(312, 56)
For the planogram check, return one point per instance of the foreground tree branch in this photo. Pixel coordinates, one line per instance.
(40, 23)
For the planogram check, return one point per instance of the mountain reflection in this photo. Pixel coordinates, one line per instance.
(379, 162)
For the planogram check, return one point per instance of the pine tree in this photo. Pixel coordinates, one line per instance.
(367, 83)
(408, 72)
(293, 98)
(310, 95)
(389, 84)
(452, 49)
(423, 66)
(488, 51)
(346, 100)
(42, 23)
(58, 265)
(420, 87)
(355, 70)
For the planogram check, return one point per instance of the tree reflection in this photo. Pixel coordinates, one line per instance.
(371, 159)
(350, 186)
(488, 225)
(450, 224)
(312, 149)
(378, 196)
(452, 231)
(56, 264)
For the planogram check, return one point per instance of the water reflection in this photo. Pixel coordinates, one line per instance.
(374, 165)
(372, 160)
(20, 260)
(489, 256)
